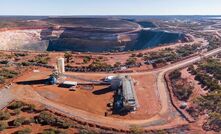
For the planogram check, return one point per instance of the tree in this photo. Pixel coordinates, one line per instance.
(87, 131)
(175, 75)
(24, 131)
(16, 111)
(86, 59)
(16, 105)
(46, 118)
(136, 130)
(18, 122)
(131, 61)
(53, 131)
(4, 115)
(3, 126)
(183, 89)
(68, 56)
(29, 108)
(117, 64)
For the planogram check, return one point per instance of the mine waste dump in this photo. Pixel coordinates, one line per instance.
(83, 35)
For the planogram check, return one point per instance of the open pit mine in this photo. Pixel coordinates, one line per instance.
(83, 35)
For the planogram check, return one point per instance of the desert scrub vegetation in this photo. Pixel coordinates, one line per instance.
(213, 42)
(18, 121)
(41, 59)
(53, 131)
(207, 73)
(13, 117)
(25, 64)
(68, 56)
(3, 126)
(87, 59)
(86, 130)
(131, 61)
(46, 118)
(4, 115)
(21, 54)
(169, 54)
(98, 64)
(16, 105)
(24, 131)
(136, 130)
(19, 106)
(7, 74)
(186, 50)
(182, 88)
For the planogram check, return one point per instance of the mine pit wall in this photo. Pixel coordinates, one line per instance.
(152, 38)
(62, 39)
(18, 39)
(31, 39)
(80, 45)
(98, 42)
(35, 46)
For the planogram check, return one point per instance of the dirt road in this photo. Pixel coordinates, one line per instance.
(6, 97)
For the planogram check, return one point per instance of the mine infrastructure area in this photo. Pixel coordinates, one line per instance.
(111, 91)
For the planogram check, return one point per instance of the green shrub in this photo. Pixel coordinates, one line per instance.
(207, 73)
(2, 80)
(29, 108)
(53, 131)
(86, 59)
(213, 123)
(4, 115)
(192, 70)
(61, 123)
(20, 54)
(40, 60)
(131, 61)
(161, 132)
(133, 55)
(136, 130)
(25, 64)
(175, 75)
(117, 64)
(99, 65)
(46, 118)
(68, 56)
(16, 111)
(3, 126)
(140, 55)
(24, 131)
(28, 121)
(7, 74)
(183, 89)
(87, 131)
(16, 105)
(4, 62)
(18, 122)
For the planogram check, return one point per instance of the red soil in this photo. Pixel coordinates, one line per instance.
(93, 101)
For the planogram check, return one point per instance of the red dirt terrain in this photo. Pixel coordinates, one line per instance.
(96, 100)
(35, 128)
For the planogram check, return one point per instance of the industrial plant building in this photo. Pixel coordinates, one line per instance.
(125, 99)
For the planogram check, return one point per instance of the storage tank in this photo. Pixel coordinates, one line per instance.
(60, 64)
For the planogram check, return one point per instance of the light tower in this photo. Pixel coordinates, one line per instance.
(60, 64)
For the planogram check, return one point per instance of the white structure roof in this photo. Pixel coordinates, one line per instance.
(71, 83)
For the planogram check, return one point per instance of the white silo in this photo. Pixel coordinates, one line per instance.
(60, 64)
